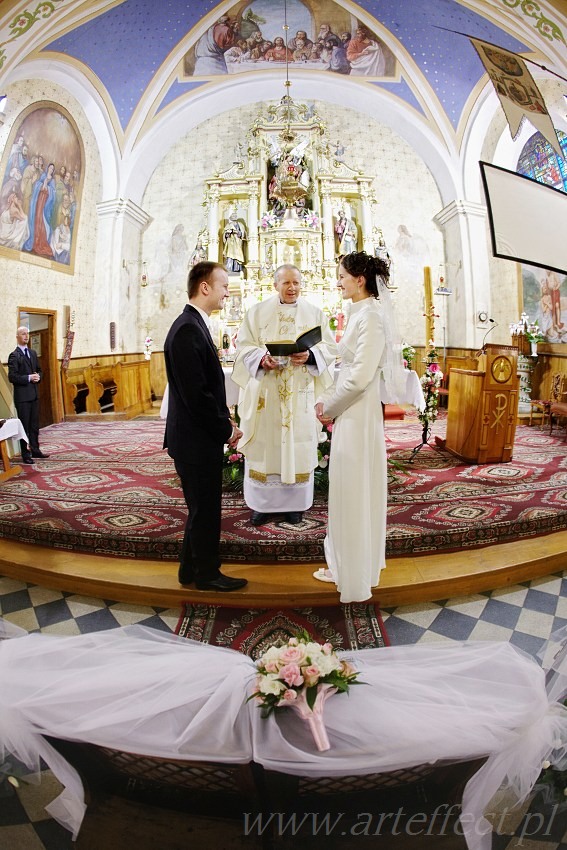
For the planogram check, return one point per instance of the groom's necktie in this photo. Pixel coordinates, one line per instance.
(27, 353)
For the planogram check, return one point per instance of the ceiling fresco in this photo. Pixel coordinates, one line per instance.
(135, 47)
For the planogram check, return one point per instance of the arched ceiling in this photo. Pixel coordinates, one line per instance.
(128, 47)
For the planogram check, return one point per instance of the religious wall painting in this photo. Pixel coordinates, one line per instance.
(544, 295)
(42, 172)
(322, 36)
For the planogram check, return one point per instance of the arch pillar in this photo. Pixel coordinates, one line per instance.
(118, 272)
(463, 224)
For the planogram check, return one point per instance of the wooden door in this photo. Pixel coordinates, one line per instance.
(44, 341)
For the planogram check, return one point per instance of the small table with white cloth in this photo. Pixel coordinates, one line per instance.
(11, 429)
(413, 393)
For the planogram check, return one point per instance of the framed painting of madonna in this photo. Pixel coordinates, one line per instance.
(41, 174)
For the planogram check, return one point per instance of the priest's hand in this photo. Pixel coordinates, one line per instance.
(300, 359)
(268, 363)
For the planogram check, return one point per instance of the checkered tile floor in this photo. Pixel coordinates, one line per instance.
(524, 614)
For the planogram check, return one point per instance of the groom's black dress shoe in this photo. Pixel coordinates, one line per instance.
(185, 575)
(223, 584)
(294, 518)
(259, 519)
(27, 459)
(38, 453)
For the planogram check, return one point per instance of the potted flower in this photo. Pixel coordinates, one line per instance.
(533, 335)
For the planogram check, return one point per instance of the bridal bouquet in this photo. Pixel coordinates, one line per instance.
(301, 675)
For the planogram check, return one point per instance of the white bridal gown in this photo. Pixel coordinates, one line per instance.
(355, 544)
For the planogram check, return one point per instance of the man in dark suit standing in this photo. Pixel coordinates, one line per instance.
(198, 425)
(24, 373)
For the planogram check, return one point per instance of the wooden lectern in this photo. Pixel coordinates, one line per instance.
(483, 407)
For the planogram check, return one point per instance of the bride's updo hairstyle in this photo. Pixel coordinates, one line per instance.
(360, 263)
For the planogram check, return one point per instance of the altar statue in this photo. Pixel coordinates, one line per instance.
(233, 236)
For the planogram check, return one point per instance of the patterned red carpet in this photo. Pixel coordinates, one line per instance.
(251, 631)
(109, 488)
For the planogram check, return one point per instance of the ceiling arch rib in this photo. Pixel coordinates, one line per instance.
(140, 162)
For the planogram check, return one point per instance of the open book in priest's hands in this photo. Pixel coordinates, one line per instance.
(304, 342)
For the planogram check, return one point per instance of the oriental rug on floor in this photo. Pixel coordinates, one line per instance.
(357, 625)
(109, 488)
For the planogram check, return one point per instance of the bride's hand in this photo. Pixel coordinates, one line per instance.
(324, 420)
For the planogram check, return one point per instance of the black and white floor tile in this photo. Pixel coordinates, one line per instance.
(523, 614)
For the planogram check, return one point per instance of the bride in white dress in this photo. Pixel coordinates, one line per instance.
(355, 544)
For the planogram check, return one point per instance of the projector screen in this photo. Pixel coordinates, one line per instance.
(528, 220)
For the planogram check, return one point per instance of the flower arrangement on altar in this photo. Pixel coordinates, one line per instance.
(430, 382)
(408, 353)
(268, 220)
(148, 344)
(301, 674)
(310, 219)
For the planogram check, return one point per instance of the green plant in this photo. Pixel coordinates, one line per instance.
(233, 470)
(533, 334)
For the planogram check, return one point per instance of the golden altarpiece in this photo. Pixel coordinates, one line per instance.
(288, 197)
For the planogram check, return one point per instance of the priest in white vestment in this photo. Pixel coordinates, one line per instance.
(276, 403)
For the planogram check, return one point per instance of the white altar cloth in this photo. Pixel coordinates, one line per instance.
(139, 690)
(13, 429)
(413, 392)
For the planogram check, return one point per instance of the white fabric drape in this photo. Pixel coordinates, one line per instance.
(139, 690)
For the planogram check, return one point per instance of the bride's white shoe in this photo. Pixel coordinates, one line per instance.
(323, 575)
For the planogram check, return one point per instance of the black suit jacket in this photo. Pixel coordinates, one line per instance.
(19, 370)
(198, 420)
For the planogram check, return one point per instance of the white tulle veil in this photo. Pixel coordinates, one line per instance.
(393, 369)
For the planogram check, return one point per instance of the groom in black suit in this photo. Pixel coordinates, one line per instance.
(25, 374)
(198, 425)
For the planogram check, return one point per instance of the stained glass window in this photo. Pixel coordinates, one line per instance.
(539, 161)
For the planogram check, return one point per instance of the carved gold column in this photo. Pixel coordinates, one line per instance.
(213, 196)
(365, 218)
(253, 216)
